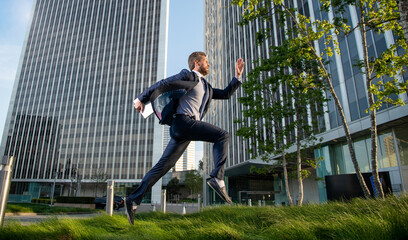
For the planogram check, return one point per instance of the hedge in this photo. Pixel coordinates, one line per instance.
(42, 200)
(84, 200)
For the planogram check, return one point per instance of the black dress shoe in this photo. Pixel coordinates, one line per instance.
(130, 210)
(220, 191)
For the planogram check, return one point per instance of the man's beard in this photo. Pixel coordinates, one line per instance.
(203, 71)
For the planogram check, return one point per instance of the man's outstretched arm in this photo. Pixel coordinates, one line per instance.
(233, 85)
(173, 82)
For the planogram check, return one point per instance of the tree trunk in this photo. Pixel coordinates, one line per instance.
(285, 176)
(345, 125)
(374, 165)
(343, 119)
(348, 137)
(299, 160)
(403, 9)
(300, 179)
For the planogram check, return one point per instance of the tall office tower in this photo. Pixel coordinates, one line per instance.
(187, 160)
(225, 41)
(71, 117)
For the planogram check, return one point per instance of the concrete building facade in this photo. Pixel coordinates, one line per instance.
(225, 42)
(187, 160)
(71, 118)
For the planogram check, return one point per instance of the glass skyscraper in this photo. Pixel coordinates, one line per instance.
(225, 42)
(71, 117)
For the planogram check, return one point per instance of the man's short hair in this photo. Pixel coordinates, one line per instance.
(195, 56)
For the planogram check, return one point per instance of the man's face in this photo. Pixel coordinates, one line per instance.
(203, 66)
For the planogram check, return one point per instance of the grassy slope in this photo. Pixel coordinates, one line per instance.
(360, 219)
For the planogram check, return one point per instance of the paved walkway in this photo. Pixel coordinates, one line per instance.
(30, 218)
(26, 219)
(170, 207)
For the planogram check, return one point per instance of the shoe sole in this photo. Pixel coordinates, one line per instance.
(220, 195)
(127, 214)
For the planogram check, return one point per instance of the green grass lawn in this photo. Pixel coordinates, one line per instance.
(359, 219)
(43, 208)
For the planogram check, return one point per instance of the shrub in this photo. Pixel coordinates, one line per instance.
(188, 200)
(42, 200)
(83, 200)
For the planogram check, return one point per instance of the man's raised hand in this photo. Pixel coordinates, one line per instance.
(239, 67)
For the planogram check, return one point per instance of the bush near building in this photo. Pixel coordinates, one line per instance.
(81, 200)
(42, 200)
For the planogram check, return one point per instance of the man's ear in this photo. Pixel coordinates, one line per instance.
(196, 63)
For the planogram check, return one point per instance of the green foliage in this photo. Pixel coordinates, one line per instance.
(378, 16)
(308, 162)
(201, 165)
(282, 86)
(41, 200)
(173, 186)
(382, 73)
(277, 89)
(194, 182)
(358, 219)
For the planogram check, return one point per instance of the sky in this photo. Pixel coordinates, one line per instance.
(185, 36)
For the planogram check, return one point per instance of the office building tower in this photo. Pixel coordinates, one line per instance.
(71, 118)
(187, 160)
(225, 42)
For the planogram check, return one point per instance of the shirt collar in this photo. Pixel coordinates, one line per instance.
(198, 74)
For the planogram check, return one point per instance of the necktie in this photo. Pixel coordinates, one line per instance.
(205, 97)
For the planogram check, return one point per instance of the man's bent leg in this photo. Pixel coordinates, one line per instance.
(186, 128)
(220, 152)
(173, 152)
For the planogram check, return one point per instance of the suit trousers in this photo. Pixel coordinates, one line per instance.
(185, 129)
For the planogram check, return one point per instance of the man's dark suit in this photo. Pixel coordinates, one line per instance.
(183, 128)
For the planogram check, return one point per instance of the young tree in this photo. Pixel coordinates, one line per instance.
(76, 180)
(304, 43)
(75, 186)
(382, 72)
(201, 165)
(194, 182)
(99, 178)
(173, 187)
(282, 93)
(378, 16)
(263, 103)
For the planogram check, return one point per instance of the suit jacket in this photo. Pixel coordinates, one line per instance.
(164, 94)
